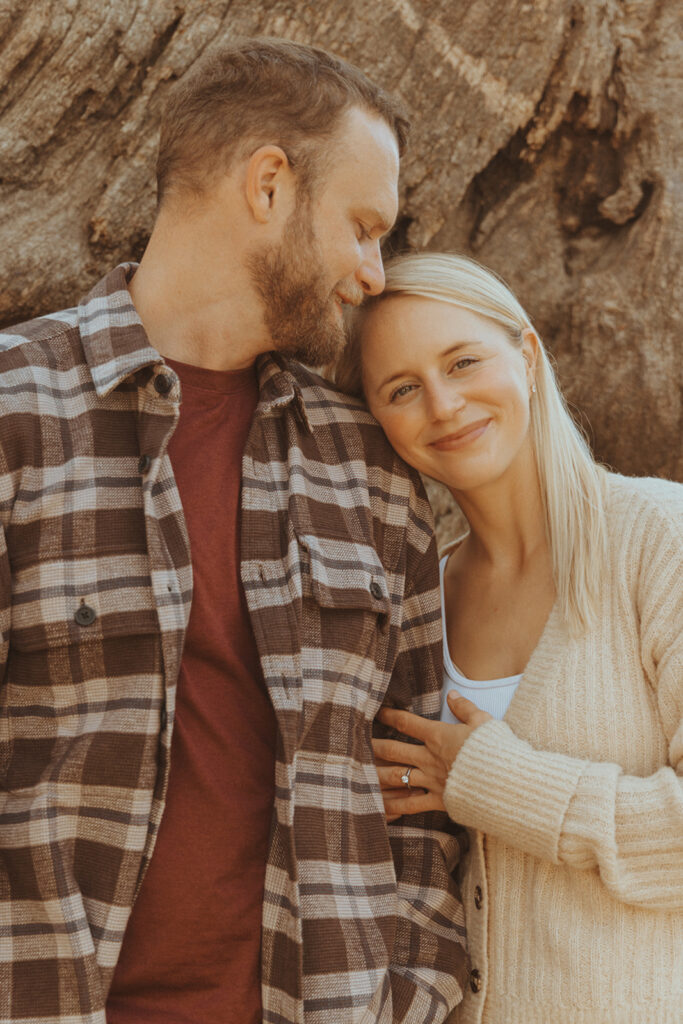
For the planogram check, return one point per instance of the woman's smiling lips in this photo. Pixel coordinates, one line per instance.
(450, 442)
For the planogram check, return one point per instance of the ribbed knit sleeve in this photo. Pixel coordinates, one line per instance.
(589, 814)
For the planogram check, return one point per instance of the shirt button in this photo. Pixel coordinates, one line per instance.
(163, 383)
(478, 897)
(376, 590)
(144, 464)
(475, 980)
(85, 616)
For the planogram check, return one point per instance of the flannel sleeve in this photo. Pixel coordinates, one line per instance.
(429, 962)
(5, 613)
(5, 603)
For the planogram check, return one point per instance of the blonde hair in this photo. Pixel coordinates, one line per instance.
(571, 481)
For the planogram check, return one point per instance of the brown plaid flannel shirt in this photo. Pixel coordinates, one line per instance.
(95, 587)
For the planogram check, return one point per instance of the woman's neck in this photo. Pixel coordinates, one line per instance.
(506, 519)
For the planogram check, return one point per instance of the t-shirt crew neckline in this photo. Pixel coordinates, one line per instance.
(226, 382)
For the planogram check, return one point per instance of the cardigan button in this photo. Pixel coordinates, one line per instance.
(475, 980)
(144, 463)
(478, 897)
(376, 590)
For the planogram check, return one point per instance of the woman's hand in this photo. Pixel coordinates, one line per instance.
(430, 762)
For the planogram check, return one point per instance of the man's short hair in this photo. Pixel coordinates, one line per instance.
(254, 92)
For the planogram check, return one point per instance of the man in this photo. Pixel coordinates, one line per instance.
(215, 850)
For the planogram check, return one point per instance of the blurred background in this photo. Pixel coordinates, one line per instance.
(546, 143)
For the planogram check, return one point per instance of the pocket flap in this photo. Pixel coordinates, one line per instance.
(61, 603)
(344, 574)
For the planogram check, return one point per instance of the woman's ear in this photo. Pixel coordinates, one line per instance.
(270, 184)
(530, 349)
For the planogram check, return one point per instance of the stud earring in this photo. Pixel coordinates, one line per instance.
(533, 389)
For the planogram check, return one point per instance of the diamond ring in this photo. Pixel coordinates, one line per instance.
(405, 778)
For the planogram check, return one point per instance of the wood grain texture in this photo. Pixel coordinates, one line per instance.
(545, 142)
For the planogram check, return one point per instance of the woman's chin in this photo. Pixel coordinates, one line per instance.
(464, 477)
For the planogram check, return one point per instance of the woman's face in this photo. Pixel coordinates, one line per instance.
(449, 388)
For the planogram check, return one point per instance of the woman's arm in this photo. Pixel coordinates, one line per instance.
(561, 809)
(588, 815)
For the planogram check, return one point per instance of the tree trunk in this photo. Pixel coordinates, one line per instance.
(544, 141)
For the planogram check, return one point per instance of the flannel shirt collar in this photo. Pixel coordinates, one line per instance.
(279, 387)
(116, 347)
(114, 340)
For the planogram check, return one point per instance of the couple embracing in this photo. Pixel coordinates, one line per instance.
(263, 755)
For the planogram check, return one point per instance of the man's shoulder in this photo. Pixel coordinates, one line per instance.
(41, 328)
(42, 365)
(356, 442)
(36, 343)
(329, 407)
(319, 393)
(96, 328)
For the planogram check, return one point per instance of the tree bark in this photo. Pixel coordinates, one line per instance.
(544, 144)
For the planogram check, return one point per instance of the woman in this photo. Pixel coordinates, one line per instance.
(561, 740)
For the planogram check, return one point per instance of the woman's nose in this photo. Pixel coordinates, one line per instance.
(445, 400)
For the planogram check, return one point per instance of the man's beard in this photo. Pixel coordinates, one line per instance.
(299, 308)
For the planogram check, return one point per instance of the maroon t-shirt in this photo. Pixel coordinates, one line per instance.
(191, 951)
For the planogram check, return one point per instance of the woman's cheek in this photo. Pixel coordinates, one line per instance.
(401, 429)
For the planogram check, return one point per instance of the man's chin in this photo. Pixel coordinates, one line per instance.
(318, 348)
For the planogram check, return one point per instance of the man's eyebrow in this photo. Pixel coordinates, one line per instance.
(443, 355)
(378, 218)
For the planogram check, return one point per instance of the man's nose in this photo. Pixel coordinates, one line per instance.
(370, 275)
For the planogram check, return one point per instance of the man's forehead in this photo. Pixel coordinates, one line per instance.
(363, 167)
(365, 138)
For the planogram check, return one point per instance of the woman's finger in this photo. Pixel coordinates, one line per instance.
(396, 752)
(380, 762)
(413, 803)
(408, 723)
(466, 710)
(391, 778)
(393, 794)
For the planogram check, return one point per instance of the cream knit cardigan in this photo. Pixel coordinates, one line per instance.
(574, 802)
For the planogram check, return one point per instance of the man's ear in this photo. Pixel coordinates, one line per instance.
(270, 184)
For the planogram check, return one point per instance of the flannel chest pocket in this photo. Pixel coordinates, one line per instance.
(84, 664)
(342, 574)
(346, 638)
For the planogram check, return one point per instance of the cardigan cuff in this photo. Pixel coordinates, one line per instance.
(502, 786)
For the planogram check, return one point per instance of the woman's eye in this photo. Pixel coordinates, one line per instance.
(462, 364)
(401, 391)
